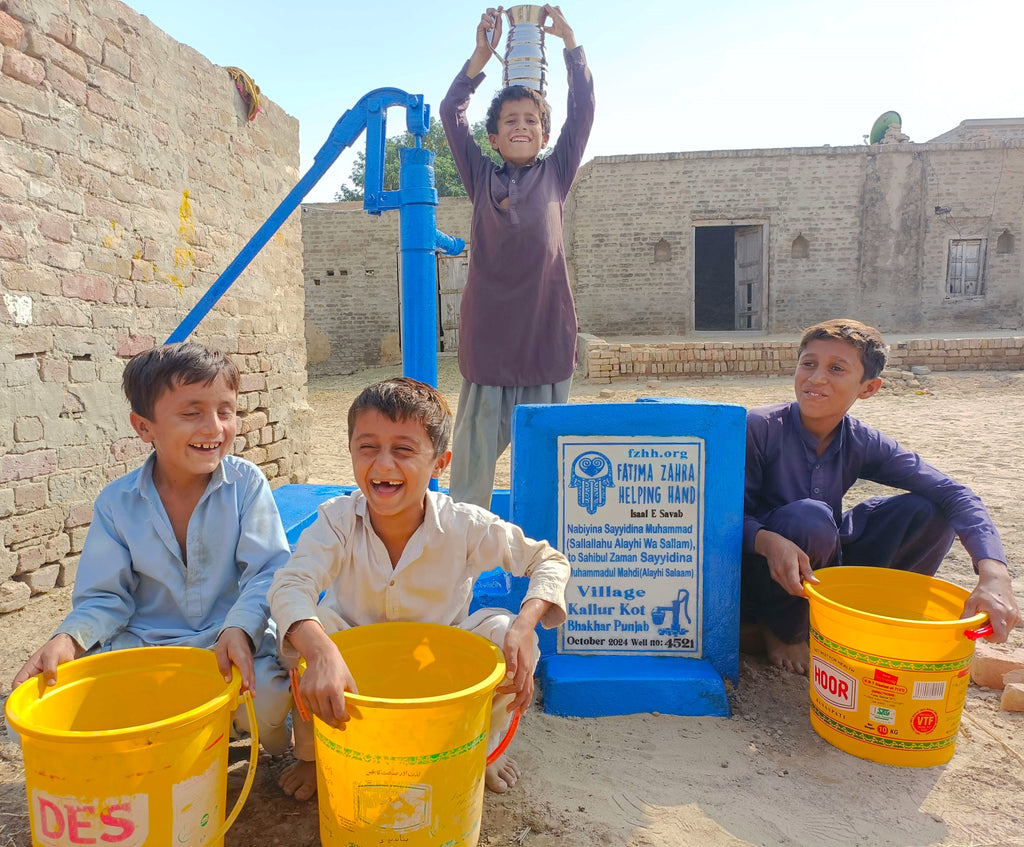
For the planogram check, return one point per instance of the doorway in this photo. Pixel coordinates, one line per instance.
(729, 274)
(452, 272)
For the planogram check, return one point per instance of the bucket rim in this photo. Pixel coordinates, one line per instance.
(488, 683)
(814, 594)
(26, 694)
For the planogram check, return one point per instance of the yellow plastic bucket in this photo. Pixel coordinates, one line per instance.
(409, 766)
(890, 663)
(130, 748)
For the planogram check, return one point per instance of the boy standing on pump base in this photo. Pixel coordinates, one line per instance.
(394, 551)
(182, 550)
(802, 457)
(517, 323)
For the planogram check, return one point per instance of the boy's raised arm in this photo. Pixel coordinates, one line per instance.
(470, 161)
(579, 111)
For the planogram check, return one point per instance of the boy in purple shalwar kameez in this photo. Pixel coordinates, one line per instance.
(802, 457)
(517, 341)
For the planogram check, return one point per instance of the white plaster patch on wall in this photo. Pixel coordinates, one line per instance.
(20, 308)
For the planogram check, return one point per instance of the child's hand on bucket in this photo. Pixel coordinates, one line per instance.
(994, 596)
(518, 672)
(323, 684)
(58, 650)
(234, 647)
(521, 654)
(787, 563)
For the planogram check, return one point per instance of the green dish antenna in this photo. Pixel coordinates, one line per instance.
(884, 121)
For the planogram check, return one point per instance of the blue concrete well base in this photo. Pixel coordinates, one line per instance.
(596, 686)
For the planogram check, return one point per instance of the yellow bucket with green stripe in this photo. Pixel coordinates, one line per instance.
(890, 663)
(409, 766)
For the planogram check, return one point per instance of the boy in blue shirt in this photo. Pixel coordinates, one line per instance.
(181, 551)
(802, 457)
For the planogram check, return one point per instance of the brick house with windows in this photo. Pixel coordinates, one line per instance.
(909, 237)
(913, 238)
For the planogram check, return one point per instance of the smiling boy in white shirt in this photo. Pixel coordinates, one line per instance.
(395, 551)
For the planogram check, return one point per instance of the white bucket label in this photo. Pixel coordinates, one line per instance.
(63, 821)
(197, 812)
(833, 685)
(402, 808)
(882, 714)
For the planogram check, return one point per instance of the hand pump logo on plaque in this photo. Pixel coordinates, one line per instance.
(630, 522)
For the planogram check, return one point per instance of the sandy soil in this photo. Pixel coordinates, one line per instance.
(762, 777)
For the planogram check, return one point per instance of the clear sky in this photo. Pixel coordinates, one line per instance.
(721, 74)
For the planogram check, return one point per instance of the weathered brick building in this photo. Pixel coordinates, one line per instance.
(353, 299)
(130, 176)
(914, 238)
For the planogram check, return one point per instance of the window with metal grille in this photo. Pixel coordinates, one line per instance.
(965, 272)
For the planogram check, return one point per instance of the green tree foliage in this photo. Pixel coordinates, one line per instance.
(446, 177)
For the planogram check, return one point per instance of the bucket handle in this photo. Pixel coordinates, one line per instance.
(983, 631)
(503, 744)
(254, 737)
(300, 704)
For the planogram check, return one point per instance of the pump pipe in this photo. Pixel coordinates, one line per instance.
(416, 200)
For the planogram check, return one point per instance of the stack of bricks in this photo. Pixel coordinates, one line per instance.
(1004, 353)
(605, 362)
(130, 176)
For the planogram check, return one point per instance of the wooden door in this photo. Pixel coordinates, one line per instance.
(749, 278)
(451, 281)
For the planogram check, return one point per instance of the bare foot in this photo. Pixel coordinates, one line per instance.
(298, 780)
(502, 775)
(790, 657)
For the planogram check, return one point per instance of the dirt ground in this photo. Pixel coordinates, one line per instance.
(761, 777)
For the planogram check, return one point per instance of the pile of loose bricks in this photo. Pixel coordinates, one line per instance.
(1001, 667)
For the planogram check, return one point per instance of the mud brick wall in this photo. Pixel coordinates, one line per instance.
(129, 178)
(603, 361)
(351, 276)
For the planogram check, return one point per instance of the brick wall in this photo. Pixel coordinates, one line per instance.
(350, 269)
(603, 361)
(129, 178)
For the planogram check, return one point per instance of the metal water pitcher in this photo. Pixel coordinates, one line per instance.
(525, 61)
